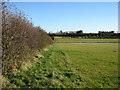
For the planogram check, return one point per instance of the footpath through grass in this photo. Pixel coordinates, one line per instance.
(72, 66)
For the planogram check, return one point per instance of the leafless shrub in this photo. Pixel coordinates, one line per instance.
(19, 39)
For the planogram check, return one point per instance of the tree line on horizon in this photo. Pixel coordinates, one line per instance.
(80, 33)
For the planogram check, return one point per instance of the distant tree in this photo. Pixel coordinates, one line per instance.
(66, 32)
(72, 32)
(112, 31)
(79, 32)
(61, 31)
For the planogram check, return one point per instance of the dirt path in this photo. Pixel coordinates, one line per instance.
(88, 42)
(95, 43)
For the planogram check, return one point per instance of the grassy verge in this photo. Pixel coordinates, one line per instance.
(72, 66)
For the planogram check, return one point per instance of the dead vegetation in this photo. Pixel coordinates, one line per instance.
(20, 39)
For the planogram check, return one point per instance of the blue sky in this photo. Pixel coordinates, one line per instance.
(72, 16)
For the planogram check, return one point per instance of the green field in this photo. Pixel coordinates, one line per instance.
(81, 40)
(68, 65)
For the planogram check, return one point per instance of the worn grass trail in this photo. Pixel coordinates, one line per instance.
(72, 66)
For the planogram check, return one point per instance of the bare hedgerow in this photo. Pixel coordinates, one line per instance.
(20, 39)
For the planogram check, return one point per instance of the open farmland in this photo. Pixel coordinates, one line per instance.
(72, 51)
(84, 40)
(67, 65)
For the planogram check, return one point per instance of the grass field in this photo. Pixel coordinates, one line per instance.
(68, 65)
(81, 40)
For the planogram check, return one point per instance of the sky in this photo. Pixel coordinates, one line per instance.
(90, 17)
(64, 0)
